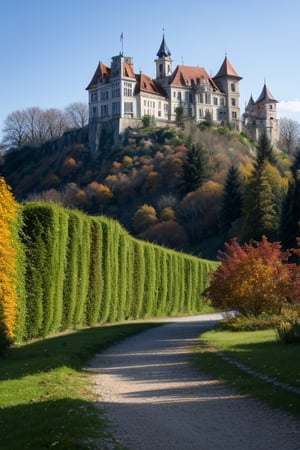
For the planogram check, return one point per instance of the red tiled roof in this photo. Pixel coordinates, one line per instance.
(147, 84)
(227, 69)
(128, 71)
(190, 76)
(101, 71)
(265, 95)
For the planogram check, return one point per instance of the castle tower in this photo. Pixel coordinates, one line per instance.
(261, 116)
(267, 115)
(227, 81)
(163, 62)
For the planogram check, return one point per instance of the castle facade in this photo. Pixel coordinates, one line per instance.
(119, 98)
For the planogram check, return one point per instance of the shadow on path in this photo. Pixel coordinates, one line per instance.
(158, 400)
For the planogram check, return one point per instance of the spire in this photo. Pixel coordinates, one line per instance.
(265, 95)
(163, 49)
(227, 69)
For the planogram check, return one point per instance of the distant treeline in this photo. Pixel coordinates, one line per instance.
(82, 270)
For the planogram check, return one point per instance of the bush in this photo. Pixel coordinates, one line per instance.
(288, 325)
(251, 323)
(254, 279)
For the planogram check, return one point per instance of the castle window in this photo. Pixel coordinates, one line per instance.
(271, 106)
(94, 97)
(200, 112)
(207, 99)
(232, 87)
(104, 110)
(233, 102)
(104, 95)
(234, 115)
(215, 101)
(94, 111)
(116, 108)
(115, 92)
(127, 89)
(128, 109)
(223, 103)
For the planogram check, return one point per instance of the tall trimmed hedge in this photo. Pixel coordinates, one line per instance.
(83, 270)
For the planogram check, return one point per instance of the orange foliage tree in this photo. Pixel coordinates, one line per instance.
(254, 278)
(8, 278)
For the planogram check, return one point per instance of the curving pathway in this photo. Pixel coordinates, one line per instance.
(157, 400)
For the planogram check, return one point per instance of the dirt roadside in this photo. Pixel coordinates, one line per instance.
(155, 399)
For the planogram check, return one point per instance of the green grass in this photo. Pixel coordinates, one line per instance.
(46, 400)
(261, 351)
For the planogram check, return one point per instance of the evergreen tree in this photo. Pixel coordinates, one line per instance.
(260, 210)
(264, 152)
(232, 199)
(195, 168)
(290, 218)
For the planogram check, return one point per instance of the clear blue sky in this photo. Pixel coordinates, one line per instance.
(49, 49)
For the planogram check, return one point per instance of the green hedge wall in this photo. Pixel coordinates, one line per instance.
(81, 271)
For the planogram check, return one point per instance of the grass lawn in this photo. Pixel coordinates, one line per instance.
(261, 351)
(45, 397)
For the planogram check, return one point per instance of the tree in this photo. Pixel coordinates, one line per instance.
(179, 116)
(33, 126)
(253, 278)
(232, 199)
(290, 217)
(168, 233)
(199, 211)
(195, 168)
(260, 206)
(8, 281)
(56, 123)
(144, 217)
(289, 135)
(77, 114)
(14, 130)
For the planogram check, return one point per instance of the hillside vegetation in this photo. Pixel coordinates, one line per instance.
(188, 189)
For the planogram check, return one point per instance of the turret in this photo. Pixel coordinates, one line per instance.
(163, 61)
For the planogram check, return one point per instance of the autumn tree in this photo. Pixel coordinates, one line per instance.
(98, 194)
(167, 233)
(195, 168)
(8, 282)
(144, 217)
(254, 278)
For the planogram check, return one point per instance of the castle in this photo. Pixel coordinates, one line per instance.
(119, 98)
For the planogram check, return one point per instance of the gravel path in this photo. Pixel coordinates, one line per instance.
(157, 400)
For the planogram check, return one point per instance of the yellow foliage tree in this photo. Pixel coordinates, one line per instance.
(8, 279)
(144, 217)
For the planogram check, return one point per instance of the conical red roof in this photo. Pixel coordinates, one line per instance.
(226, 70)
